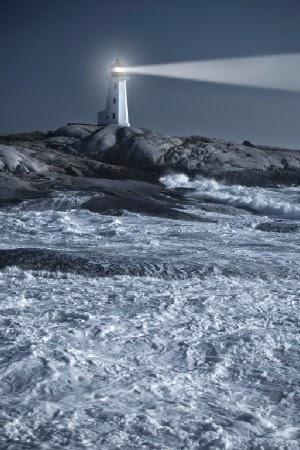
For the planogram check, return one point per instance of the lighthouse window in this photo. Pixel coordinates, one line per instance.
(115, 99)
(114, 116)
(107, 117)
(115, 85)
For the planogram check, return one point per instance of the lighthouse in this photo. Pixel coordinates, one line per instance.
(116, 110)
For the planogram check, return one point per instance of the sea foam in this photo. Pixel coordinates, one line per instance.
(280, 203)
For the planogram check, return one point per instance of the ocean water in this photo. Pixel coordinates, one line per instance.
(201, 353)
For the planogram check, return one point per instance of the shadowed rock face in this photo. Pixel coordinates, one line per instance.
(85, 157)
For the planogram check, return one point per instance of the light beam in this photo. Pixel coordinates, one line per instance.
(270, 72)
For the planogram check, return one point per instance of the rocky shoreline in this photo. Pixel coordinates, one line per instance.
(122, 167)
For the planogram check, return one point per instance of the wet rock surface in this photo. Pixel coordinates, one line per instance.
(112, 205)
(279, 227)
(39, 259)
(140, 197)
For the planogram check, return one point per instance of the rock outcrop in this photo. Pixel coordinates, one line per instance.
(85, 157)
(195, 155)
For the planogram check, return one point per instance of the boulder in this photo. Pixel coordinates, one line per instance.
(101, 141)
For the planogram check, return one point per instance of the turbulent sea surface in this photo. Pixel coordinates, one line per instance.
(202, 352)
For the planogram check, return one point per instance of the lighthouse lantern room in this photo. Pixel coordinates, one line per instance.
(116, 110)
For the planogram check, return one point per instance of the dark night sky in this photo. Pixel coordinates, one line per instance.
(55, 53)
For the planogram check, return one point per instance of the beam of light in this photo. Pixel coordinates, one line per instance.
(271, 71)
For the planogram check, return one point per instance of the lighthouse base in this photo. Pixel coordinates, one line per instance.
(104, 119)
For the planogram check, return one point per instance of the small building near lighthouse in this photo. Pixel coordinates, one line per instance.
(116, 110)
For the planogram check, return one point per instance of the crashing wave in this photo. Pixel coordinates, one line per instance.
(279, 203)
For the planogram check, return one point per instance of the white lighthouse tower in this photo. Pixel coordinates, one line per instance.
(116, 110)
